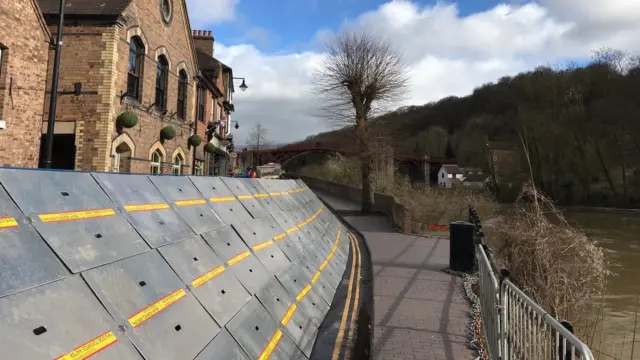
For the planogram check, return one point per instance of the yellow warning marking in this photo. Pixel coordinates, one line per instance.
(8, 222)
(315, 277)
(261, 195)
(222, 199)
(75, 215)
(356, 299)
(293, 229)
(323, 265)
(263, 245)
(155, 308)
(303, 293)
(343, 323)
(289, 314)
(266, 353)
(91, 347)
(236, 259)
(146, 207)
(280, 236)
(276, 193)
(191, 202)
(245, 197)
(209, 275)
(330, 256)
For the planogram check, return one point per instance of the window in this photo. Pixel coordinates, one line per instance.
(165, 9)
(156, 161)
(122, 158)
(136, 57)
(182, 94)
(177, 165)
(162, 82)
(442, 175)
(201, 104)
(212, 110)
(199, 167)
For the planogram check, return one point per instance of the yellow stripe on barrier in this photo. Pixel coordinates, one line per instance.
(154, 309)
(303, 293)
(289, 314)
(75, 215)
(280, 236)
(209, 275)
(323, 265)
(91, 347)
(191, 202)
(263, 245)
(293, 229)
(276, 193)
(315, 277)
(146, 207)
(245, 197)
(260, 195)
(271, 345)
(236, 259)
(8, 222)
(222, 199)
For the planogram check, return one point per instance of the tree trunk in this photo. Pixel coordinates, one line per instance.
(367, 186)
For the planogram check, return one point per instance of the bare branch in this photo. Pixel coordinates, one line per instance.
(258, 138)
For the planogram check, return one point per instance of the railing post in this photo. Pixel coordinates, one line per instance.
(504, 310)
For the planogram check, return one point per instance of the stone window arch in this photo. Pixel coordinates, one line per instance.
(136, 31)
(162, 51)
(157, 156)
(122, 150)
(178, 158)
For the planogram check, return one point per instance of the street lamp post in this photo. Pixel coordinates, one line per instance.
(54, 92)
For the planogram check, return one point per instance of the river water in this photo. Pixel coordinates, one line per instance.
(618, 232)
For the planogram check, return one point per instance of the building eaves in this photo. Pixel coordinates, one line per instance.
(84, 7)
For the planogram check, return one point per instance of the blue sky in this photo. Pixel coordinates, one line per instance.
(450, 48)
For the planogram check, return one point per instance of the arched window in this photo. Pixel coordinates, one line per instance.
(162, 82)
(177, 164)
(182, 95)
(156, 161)
(136, 60)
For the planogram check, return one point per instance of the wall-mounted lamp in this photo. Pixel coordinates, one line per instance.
(242, 86)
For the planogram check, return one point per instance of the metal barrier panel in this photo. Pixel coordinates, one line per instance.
(221, 199)
(56, 319)
(145, 208)
(260, 194)
(25, 259)
(489, 304)
(279, 196)
(243, 263)
(289, 247)
(283, 308)
(189, 202)
(225, 347)
(205, 274)
(257, 333)
(318, 280)
(531, 333)
(74, 216)
(259, 235)
(240, 190)
(298, 284)
(147, 298)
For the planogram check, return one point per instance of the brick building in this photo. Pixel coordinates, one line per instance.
(137, 64)
(24, 43)
(214, 96)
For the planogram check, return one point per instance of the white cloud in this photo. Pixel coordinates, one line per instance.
(447, 54)
(203, 13)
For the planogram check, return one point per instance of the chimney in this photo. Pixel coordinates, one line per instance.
(203, 40)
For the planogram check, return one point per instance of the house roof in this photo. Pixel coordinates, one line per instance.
(85, 7)
(206, 61)
(476, 178)
(452, 169)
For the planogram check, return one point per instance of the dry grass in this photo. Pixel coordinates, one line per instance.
(553, 262)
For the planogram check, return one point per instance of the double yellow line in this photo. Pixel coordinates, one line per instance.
(356, 261)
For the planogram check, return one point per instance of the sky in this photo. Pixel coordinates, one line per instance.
(450, 47)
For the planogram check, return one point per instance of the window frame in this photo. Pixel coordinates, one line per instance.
(162, 82)
(139, 68)
(179, 166)
(181, 107)
(201, 103)
(199, 167)
(156, 165)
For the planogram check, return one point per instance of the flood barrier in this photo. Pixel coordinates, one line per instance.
(125, 266)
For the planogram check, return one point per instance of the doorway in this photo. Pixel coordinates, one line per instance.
(64, 151)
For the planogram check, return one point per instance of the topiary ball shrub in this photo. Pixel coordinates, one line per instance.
(168, 133)
(127, 119)
(210, 148)
(195, 140)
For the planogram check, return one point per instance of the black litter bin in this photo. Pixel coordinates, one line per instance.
(461, 247)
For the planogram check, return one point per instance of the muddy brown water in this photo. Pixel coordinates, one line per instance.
(618, 232)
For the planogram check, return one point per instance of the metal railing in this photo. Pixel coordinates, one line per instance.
(514, 326)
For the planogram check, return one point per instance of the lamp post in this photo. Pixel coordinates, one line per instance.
(242, 86)
(54, 92)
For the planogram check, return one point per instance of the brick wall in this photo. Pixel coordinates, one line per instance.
(24, 37)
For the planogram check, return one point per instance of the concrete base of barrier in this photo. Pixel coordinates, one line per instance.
(163, 267)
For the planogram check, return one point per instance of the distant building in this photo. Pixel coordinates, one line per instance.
(448, 175)
(476, 181)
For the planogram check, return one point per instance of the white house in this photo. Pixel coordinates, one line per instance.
(448, 175)
(476, 181)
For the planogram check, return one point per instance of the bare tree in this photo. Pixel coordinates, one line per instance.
(258, 141)
(360, 76)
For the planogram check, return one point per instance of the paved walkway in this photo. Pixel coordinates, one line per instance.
(420, 312)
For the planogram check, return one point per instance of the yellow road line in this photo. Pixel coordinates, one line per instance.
(343, 322)
(352, 328)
